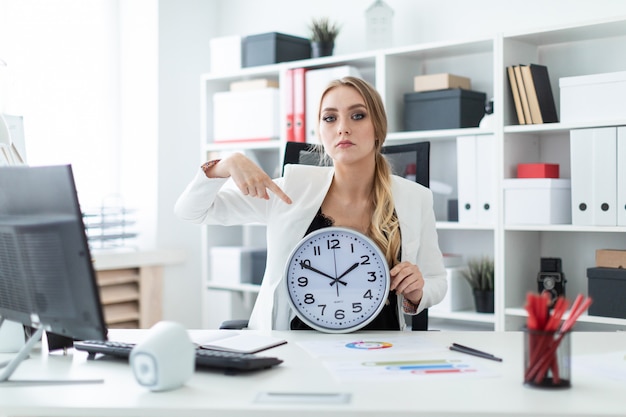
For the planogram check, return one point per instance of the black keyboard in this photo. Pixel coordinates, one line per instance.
(230, 362)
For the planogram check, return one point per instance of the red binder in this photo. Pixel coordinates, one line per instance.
(299, 104)
(288, 89)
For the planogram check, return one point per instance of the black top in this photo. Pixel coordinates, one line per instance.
(387, 319)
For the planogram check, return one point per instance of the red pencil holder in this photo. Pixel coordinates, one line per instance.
(547, 359)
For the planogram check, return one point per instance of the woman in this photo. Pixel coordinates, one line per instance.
(358, 192)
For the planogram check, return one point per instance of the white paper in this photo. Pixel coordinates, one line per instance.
(242, 342)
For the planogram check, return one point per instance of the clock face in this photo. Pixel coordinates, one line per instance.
(337, 280)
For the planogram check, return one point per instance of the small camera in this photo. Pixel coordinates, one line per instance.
(551, 279)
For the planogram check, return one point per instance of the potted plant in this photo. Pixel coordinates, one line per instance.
(323, 34)
(479, 274)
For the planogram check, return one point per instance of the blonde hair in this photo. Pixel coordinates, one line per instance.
(384, 228)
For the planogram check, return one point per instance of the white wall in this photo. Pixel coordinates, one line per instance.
(185, 28)
(415, 21)
(59, 58)
(112, 87)
(137, 142)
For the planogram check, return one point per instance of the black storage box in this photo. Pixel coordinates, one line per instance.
(607, 290)
(443, 109)
(453, 210)
(273, 47)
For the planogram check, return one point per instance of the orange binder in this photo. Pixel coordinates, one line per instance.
(299, 104)
(289, 115)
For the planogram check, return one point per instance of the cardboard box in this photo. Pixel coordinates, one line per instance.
(607, 289)
(255, 84)
(225, 54)
(443, 109)
(537, 170)
(537, 201)
(273, 47)
(611, 258)
(593, 98)
(443, 81)
(246, 115)
(459, 296)
(237, 264)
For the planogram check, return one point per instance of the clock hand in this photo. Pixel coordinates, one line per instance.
(338, 279)
(307, 266)
(352, 268)
(335, 280)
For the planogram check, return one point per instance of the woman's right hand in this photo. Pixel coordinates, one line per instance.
(248, 177)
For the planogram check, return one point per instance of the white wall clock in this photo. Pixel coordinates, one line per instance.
(337, 280)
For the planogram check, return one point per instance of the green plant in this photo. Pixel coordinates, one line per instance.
(479, 273)
(323, 30)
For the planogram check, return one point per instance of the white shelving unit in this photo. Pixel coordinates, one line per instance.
(587, 48)
(567, 51)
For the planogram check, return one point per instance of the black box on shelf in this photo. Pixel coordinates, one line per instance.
(607, 289)
(258, 258)
(273, 47)
(443, 109)
(453, 210)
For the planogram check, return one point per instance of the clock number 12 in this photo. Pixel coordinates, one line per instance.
(333, 244)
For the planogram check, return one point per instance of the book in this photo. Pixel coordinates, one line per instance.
(522, 93)
(541, 81)
(239, 342)
(516, 97)
(531, 94)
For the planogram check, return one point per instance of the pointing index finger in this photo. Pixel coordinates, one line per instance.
(279, 192)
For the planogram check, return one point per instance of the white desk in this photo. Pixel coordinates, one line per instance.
(211, 393)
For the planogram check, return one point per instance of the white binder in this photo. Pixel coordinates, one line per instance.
(580, 165)
(466, 179)
(476, 179)
(621, 176)
(594, 176)
(485, 179)
(316, 81)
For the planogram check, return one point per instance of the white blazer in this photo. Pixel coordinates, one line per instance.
(219, 201)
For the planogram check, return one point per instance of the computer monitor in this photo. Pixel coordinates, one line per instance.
(47, 279)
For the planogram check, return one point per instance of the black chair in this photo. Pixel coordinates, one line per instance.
(406, 159)
(401, 157)
(411, 159)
